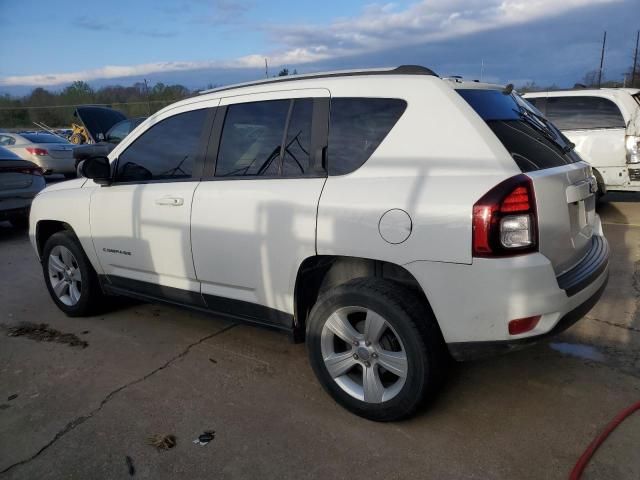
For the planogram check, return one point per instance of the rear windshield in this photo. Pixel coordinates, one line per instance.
(583, 113)
(533, 141)
(43, 138)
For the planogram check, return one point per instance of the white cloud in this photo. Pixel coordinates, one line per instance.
(378, 27)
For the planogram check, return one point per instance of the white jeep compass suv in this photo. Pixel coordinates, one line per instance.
(390, 218)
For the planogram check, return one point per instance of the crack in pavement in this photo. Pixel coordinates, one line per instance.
(80, 420)
(613, 324)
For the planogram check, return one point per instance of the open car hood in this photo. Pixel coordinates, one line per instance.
(98, 119)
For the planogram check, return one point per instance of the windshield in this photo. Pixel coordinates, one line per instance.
(43, 138)
(533, 141)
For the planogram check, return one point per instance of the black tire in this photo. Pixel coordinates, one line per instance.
(21, 222)
(76, 139)
(91, 295)
(412, 322)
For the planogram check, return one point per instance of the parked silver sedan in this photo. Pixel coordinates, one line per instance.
(51, 153)
(20, 181)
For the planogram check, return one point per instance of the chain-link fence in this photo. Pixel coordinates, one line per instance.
(63, 116)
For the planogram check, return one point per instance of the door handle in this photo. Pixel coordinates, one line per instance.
(170, 201)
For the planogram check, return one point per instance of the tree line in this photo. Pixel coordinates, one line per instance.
(56, 109)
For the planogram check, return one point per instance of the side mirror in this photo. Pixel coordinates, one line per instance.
(100, 137)
(98, 169)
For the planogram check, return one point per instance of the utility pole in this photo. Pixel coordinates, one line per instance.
(635, 61)
(146, 86)
(266, 68)
(604, 41)
(481, 69)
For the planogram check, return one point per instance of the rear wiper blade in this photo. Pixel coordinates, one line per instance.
(540, 124)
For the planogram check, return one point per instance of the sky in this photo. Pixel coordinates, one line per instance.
(215, 42)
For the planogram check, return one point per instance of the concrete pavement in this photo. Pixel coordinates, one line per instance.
(152, 369)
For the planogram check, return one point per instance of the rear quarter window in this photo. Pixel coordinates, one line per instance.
(583, 113)
(357, 127)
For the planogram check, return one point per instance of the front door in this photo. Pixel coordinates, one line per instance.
(254, 219)
(140, 223)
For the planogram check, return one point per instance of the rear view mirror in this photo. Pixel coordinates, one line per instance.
(98, 169)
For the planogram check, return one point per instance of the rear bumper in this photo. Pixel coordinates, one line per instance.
(474, 303)
(464, 351)
(18, 202)
(54, 165)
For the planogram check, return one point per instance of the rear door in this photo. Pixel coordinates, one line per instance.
(254, 216)
(563, 184)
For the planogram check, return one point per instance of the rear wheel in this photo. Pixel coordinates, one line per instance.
(70, 278)
(376, 349)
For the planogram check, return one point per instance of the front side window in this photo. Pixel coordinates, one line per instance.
(252, 139)
(166, 151)
(578, 113)
(357, 127)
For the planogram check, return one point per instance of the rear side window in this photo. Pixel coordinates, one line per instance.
(536, 102)
(533, 142)
(166, 151)
(357, 127)
(578, 113)
(252, 138)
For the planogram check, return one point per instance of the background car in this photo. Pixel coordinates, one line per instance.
(20, 181)
(51, 153)
(604, 125)
(108, 141)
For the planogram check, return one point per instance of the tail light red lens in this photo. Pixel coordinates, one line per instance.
(523, 325)
(505, 220)
(37, 151)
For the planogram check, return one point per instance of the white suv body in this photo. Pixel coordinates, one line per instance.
(396, 203)
(604, 125)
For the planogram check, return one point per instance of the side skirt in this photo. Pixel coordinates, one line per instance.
(238, 310)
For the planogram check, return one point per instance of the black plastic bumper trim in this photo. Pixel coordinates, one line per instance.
(589, 268)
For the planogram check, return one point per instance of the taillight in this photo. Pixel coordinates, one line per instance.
(37, 151)
(523, 325)
(632, 143)
(505, 221)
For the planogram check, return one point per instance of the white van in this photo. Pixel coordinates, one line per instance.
(604, 124)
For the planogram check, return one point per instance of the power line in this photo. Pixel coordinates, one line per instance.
(91, 104)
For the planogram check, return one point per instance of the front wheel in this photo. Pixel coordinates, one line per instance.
(376, 348)
(70, 278)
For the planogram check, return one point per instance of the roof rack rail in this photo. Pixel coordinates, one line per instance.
(401, 70)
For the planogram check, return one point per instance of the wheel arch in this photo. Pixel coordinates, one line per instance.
(46, 228)
(320, 273)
